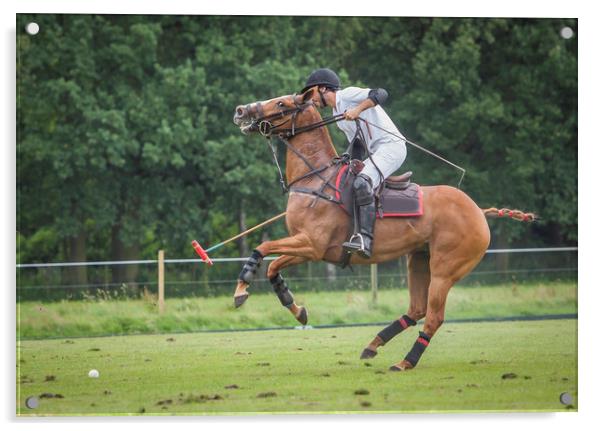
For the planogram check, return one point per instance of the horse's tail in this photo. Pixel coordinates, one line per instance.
(515, 214)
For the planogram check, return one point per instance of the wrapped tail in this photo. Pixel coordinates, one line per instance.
(505, 212)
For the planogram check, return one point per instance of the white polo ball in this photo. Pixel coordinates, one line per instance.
(32, 28)
(566, 32)
(93, 374)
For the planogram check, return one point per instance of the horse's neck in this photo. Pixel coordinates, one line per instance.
(316, 148)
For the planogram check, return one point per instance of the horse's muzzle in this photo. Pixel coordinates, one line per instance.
(241, 115)
(243, 120)
(247, 128)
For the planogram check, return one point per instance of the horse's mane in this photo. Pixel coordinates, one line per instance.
(324, 130)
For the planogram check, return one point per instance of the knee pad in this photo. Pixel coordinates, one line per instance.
(362, 190)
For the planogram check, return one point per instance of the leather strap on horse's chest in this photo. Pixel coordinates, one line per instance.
(320, 193)
(316, 193)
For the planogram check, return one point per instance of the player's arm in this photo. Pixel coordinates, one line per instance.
(377, 96)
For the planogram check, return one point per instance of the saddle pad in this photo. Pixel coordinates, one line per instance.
(344, 192)
(401, 203)
(392, 203)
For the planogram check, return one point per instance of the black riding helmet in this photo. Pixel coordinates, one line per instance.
(323, 77)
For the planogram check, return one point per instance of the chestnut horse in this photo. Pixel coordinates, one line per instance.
(442, 246)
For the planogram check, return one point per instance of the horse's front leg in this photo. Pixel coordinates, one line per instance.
(281, 289)
(298, 246)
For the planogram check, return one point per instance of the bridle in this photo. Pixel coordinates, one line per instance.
(266, 126)
(264, 123)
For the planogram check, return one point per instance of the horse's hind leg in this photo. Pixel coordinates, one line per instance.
(437, 296)
(419, 277)
(281, 289)
(446, 270)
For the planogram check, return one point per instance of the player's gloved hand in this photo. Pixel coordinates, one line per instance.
(352, 114)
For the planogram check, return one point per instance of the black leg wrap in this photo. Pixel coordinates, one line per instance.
(284, 295)
(250, 267)
(395, 328)
(418, 349)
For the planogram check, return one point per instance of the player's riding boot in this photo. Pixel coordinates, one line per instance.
(363, 194)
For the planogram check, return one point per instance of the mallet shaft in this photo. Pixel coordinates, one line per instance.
(273, 219)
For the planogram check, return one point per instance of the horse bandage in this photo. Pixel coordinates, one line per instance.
(284, 295)
(247, 274)
(395, 328)
(418, 349)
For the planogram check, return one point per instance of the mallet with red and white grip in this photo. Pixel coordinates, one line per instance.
(204, 254)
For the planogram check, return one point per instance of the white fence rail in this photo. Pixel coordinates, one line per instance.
(158, 279)
(244, 259)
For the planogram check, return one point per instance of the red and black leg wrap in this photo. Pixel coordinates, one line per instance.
(418, 348)
(284, 295)
(250, 267)
(395, 328)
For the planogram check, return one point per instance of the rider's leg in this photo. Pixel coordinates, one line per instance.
(363, 195)
(388, 158)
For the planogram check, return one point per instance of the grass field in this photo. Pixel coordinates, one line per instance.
(309, 371)
(99, 317)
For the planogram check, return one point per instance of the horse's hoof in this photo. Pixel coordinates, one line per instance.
(368, 354)
(240, 300)
(402, 366)
(302, 317)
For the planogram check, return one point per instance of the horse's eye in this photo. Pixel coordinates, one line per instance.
(280, 104)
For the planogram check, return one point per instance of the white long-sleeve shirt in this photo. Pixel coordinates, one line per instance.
(388, 152)
(350, 97)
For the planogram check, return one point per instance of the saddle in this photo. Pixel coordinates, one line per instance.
(399, 197)
(399, 182)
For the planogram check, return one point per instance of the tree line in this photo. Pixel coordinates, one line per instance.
(125, 140)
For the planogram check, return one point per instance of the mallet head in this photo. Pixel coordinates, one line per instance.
(201, 252)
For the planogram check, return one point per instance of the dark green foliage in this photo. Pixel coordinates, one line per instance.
(126, 142)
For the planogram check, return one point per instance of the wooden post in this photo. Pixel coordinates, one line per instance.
(161, 281)
(374, 281)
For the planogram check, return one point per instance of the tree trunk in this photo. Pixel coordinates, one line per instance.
(76, 252)
(556, 234)
(119, 252)
(243, 246)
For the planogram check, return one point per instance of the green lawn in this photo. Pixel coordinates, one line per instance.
(309, 371)
(87, 318)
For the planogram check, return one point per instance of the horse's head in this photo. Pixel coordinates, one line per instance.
(272, 115)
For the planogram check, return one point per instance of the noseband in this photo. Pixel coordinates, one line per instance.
(265, 125)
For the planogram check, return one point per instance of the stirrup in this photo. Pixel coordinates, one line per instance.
(352, 247)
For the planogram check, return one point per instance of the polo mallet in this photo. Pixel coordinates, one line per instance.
(204, 254)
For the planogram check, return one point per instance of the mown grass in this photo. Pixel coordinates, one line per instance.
(140, 316)
(310, 371)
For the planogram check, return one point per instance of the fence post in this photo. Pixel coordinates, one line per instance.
(403, 270)
(374, 281)
(161, 281)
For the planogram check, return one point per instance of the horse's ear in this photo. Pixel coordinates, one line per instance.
(308, 94)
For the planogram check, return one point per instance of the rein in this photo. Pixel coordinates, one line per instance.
(269, 130)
